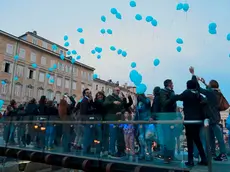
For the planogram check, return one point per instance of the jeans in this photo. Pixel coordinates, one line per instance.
(88, 137)
(216, 131)
(50, 130)
(66, 137)
(144, 143)
(112, 138)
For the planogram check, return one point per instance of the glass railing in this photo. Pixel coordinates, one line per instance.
(158, 143)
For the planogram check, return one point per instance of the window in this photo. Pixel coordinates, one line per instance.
(5, 88)
(20, 71)
(96, 87)
(41, 77)
(58, 97)
(82, 74)
(82, 87)
(35, 41)
(89, 79)
(62, 67)
(7, 67)
(66, 68)
(29, 92)
(66, 83)
(9, 49)
(52, 62)
(51, 79)
(102, 88)
(59, 81)
(59, 66)
(22, 53)
(50, 95)
(33, 57)
(31, 74)
(43, 61)
(85, 75)
(40, 92)
(17, 90)
(74, 85)
(44, 44)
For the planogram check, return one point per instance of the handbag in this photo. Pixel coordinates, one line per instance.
(223, 103)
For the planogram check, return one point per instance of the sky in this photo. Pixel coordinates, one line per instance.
(209, 54)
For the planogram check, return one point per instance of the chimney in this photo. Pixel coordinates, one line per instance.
(35, 32)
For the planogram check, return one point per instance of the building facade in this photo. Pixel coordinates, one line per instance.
(23, 82)
(108, 86)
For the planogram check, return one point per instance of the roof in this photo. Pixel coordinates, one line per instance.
(41, 38)
(105, 82)
(19, 39)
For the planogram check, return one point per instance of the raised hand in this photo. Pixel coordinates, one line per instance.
(191, 70)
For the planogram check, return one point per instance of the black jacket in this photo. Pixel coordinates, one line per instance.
(212, 106)
(165, 100)
(193, 109)
(86, 107)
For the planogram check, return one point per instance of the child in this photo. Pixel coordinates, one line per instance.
(129, 134)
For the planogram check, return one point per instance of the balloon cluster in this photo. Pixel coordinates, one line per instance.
(66, 44)
(179, 41)
(115, 12)
(150, 19)
(97, 50)
(1, 104)
(212, 28)
(121, 52)
(180, 6)
(136, 78)
(108, 31)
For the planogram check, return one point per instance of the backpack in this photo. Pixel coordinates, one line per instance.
(223, 103)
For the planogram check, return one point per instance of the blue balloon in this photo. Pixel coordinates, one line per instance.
(98, 56)
(82, 41)
(138, 17)
(156, 62)
(228, 37)
(119, 51)
(102, 31)
(66, 44)
(54, 66)
(135, 77)
(141, 89)
(185, 7)
(68, 53)
(80, 30)
(109, 31)
(51, 69)
(132, 4)
(112, 48)
(54, 47)
(98, 49)
(74, 52)
(154, 22)
(149, 18)
(34, 65)
(178, 48)
(3, 82)
(93, 51)
(212, 31)
(212, 26)
(52, 81)
(179, 6)
(103, 18)
(113, 10)
(124, 53)
(95, 76)
(73, 60)
(47, 75)
(229, 55)
(15, 78)
(16, 57)
(62, 56)
(1, 104)
(179, 41)
(118, 16)
(78, 57)
(133, 64)
(66, 38)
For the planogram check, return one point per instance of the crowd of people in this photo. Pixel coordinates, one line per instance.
(119, 140)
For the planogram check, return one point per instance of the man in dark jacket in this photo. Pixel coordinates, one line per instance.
(168, 112)
(86, 110)
(115, 109)
(212, 109)
(193, 110)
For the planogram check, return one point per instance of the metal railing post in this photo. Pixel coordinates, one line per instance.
(208, 150)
